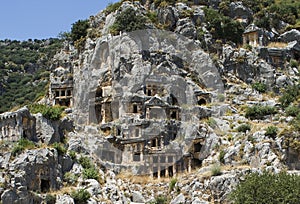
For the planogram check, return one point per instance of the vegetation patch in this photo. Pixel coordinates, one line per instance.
(128, 21)
(268, 188)
(259, 111)
(271, 131)
(80, 196)
(22, 145)
(49, 112)
(244, 128)
(216, 170)
(260, 87)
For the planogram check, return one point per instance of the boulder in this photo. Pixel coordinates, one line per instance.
(168, 16)
(178, 199)
(66, 199)
(186, 28)
(137, 197)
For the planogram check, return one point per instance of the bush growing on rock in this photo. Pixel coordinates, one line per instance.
(289, 95)
(91, 173)
(80, 196)
(22, 145)
(70, 178)
(292, 111)
(271, 131)
(85, 162)
(172, 184)
(259, 111)
(260, 87)
(160, 200)
(244, 128)
(49, 112)
(268, 188)
(128, 21)
(79, 29)
(61, 149)
(216, 170)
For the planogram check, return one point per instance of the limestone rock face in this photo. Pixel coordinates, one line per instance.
(168, 16)
(247, 66)
(147, 87)
(34, 170)
(289, 36)
(52, 131)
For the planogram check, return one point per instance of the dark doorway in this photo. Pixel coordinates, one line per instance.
(45, 185)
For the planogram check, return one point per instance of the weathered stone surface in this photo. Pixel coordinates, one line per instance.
(137, 197)
(186, 28)
(168, 16)
(65, 199)
(179, 199)
(37, 170)
(290, 36)
(239, 11)
(52, 131)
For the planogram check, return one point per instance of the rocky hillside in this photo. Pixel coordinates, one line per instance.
(168, 102)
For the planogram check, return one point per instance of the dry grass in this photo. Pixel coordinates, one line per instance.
(64, 190)
(141, 179)
(277, 45)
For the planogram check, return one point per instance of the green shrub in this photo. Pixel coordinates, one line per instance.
(259, 111)
(212, 123)
(289, 95)
(80, 196)
(152, 16)
(22, 145)
(221, 156)
(85, 162)
(164, 3)
(294, 63)
(79, 30)
(61, 149)
(70, 178)
(49, 112)
(160, 200)
(50, 199)
(271, 131)
(260, 87)
(244, 128)
(296, 122)
(223, 27)
(72, 154)
(292, 110)
(91, 173)
(172, 184)
(267, 188)
(128, 21)
(216, 170)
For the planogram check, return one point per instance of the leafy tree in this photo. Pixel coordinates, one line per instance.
(267, 188)
(223, 27)
(128, 21)
(79, 30)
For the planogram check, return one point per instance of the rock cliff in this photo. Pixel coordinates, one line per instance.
(167, 115)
